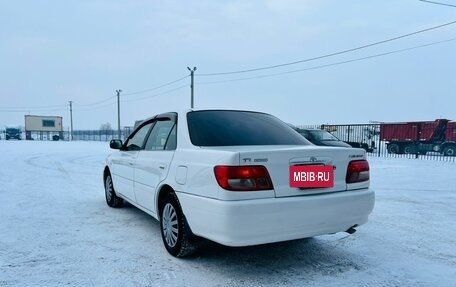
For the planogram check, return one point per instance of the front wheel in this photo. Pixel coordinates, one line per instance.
(111, 198)
(175, 232)
(449, 151)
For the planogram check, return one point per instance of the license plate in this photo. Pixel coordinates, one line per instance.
(312, 176)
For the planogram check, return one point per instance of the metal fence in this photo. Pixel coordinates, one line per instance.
(378, 141)
(79, 135)
(427, 141)
(98, 135)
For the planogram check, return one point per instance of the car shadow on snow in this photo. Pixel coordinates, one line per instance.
(297, 260)
(292, 260)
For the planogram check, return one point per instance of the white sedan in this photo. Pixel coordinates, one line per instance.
(238, 178)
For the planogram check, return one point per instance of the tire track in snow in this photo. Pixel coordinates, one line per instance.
(43, 161)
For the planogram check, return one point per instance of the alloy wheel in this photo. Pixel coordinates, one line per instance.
(170, 225)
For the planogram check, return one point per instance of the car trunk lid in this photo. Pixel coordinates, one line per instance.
(278, 161)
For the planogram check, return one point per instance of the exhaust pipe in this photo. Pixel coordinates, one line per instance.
(352, 229)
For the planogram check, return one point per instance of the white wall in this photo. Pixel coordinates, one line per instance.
(43, 123)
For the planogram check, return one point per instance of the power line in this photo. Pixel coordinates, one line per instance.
(34, 108)
(156, 95)
(54, 108)
(155, 88)
(96, 103)
(30, 109)
(97, 107)
(89, 105)
(329, 55)
(327, 65)
(438, 3)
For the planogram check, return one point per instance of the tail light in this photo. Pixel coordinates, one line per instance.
(357, 171)
(243, 178)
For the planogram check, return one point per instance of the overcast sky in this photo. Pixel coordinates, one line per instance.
(52, 52)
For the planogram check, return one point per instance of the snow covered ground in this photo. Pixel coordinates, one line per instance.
(56, 230)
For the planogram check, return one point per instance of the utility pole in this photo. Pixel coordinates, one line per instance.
(118, 112)
(71, 120)
(192, 72)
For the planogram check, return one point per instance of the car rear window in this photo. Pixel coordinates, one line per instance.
(233, 128)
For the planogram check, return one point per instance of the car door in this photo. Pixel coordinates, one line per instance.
(152, 163)
(122, 168)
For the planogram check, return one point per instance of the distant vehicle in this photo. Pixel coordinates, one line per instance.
(238, 178)
(358, 136)
(13, 133)
(321, 137)
(420, 137)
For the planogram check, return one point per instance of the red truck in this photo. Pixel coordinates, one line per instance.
(420, 137)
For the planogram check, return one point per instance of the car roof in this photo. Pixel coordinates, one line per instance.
(185, 111)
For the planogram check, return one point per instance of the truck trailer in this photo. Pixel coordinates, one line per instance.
(420, 137)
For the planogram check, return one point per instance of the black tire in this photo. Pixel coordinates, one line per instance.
(393, 148)
(177, 236)
(410, 149)
(110, 194)
(449, 150)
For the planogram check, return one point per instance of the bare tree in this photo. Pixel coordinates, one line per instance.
(106, 127)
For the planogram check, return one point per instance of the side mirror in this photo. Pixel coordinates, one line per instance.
(115, 144)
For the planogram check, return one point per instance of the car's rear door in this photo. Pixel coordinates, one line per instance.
(152, 163)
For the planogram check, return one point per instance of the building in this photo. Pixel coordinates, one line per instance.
(43, 127)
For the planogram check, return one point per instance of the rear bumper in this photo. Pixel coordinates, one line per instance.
(259, 221)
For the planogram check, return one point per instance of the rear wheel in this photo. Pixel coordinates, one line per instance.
(409, 149)
(175, 232)
(111, 198)
(449, 151)
(393, 148)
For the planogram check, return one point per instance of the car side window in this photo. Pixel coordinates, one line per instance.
(172, 139)
(136, 142)
(305, 134)
(316, 136)
(159, 135)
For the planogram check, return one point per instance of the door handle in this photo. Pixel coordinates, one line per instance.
(161, 167)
